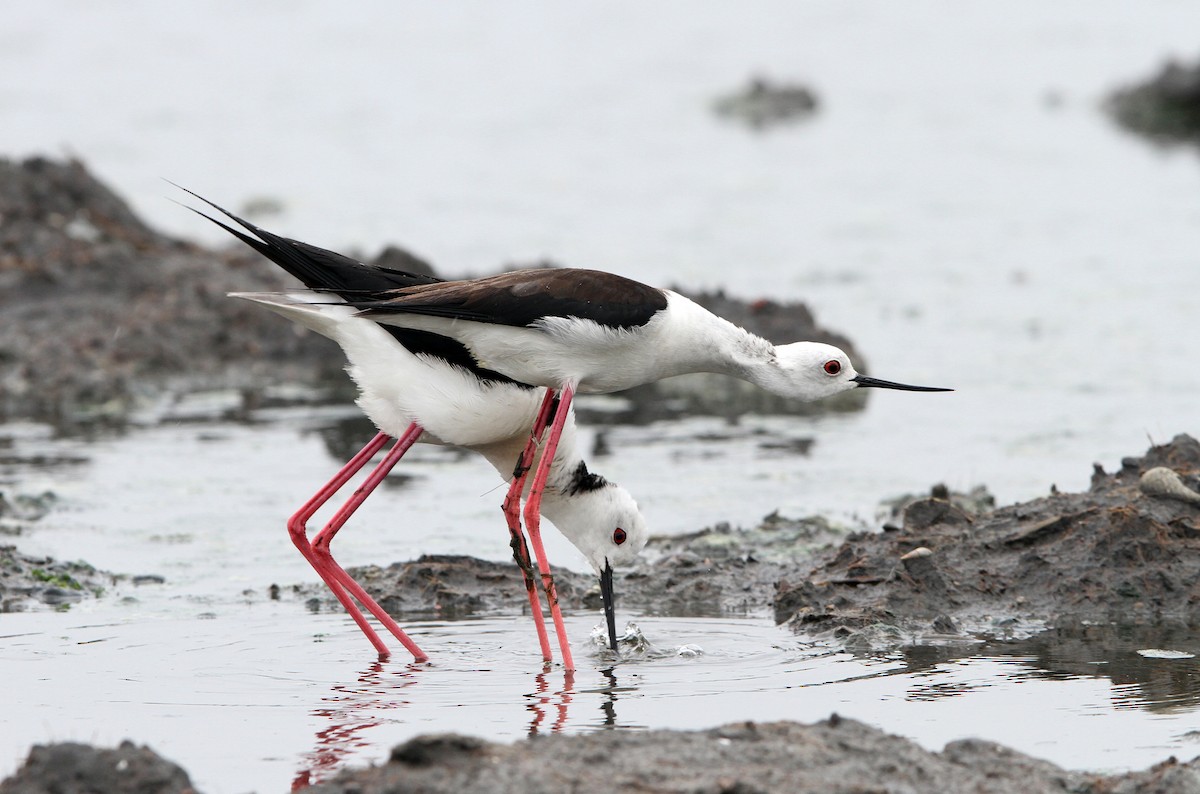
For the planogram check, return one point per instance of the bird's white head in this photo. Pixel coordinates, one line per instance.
(814, 370)
(604, 523)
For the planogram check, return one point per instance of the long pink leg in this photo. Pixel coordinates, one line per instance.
(533, 519)
(512, 513)
(324, 556)
(298, 530)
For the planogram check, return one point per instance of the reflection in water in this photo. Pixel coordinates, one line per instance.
(1164, 685)
(541, 698)
(608, 707)
(351, 710)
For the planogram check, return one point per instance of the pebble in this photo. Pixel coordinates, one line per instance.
(1161, 481)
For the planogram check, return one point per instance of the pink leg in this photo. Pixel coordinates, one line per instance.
(512, 513)
(533, 519)
(298, 530)
(324, 557)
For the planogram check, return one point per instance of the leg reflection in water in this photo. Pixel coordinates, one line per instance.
(541, 697)
(351, 710)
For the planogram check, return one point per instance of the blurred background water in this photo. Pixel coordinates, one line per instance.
(958, 206)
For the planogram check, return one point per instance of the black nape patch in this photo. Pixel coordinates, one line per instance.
(584, 481)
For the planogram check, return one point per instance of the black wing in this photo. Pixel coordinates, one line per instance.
(328, 271)
(318, 268)
(523, 297)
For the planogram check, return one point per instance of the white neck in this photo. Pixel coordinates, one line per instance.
(705, 342)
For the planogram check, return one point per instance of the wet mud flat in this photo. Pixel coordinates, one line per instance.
(1124, 552)
(1121, 554)
(838, 755)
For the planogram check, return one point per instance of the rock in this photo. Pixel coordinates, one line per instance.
(1116, 553)
(763, 103)
(25, 580)
(72, 768)
(969, 503)
(924, 513)
(1165, 108)
(835, 755)
(1161, 481)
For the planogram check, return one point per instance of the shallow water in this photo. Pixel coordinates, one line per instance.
(959, 207)
(279, 694)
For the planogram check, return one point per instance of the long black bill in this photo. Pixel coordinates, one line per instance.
(863, 380)
(610, 609)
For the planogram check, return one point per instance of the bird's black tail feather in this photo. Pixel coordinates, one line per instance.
(317, 268)
(352, 281)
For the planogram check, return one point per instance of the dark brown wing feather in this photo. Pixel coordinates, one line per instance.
(522, 297)
(328, 271)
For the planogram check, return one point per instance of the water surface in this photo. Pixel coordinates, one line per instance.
(959, 207)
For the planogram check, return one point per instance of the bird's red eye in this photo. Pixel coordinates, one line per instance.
(833, 366)
(618, 536)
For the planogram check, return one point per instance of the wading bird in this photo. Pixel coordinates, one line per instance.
(416, 385)
(590, 332)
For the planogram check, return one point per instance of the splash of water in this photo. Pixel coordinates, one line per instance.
(633, 644)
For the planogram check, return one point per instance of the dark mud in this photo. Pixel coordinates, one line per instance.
(837, 755)
(102, 311)
(27, 581)
(1122, 553)
(71, 768)
(1165, 108)
(765, 103)
(714, 572)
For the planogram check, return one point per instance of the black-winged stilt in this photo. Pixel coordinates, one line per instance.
(587, 331)
(415, 385)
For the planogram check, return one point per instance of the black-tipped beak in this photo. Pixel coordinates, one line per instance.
(610, 609)
(863, 380)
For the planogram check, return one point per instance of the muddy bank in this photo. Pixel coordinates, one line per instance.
(102, 311)
(717, 571)
(1125, 552)
(834, 755)
(837, 755)
(73, 768)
